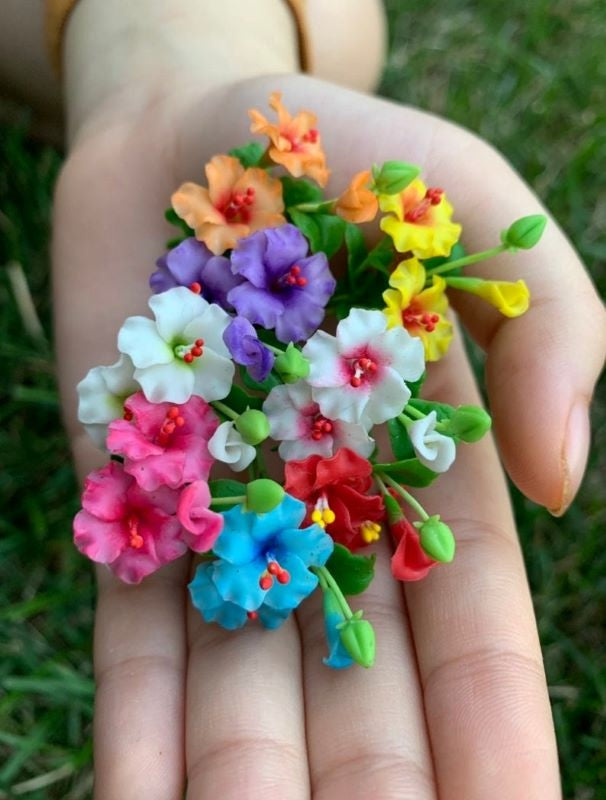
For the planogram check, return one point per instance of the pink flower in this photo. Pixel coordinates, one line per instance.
(132, 531)
(194, 514)
(164, 444)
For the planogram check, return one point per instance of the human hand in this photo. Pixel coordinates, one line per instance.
(458, 673)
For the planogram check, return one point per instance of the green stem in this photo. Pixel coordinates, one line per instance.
(326, 579)
(472, 259)
(324, 207)
(404, 494)
(226, 501)
(275, 350)
(414, 412)
(226, 410)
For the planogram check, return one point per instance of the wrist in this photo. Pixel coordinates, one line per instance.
(120, 57)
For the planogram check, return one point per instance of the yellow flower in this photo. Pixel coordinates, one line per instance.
(421, 222)
(421, 311)
(511, 299)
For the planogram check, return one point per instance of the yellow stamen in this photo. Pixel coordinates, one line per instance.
(370, 531)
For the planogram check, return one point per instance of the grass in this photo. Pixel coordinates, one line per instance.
(528, 76)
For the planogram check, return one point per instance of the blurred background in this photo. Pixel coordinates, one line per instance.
(530, 77)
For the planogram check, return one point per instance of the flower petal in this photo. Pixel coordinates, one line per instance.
(139, 338)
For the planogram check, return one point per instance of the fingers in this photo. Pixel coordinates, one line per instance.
(366, 729)
(244, 720)
(140, 658)
(475, 637)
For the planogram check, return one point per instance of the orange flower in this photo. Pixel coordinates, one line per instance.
(357, 203)
(295, 141)
(236, 203)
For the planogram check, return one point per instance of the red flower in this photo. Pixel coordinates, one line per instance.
(334, 491)
(409, 562)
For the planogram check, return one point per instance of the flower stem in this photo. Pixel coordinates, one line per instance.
(414, 504)
(471, 259)
(226, 501)
(273, 349)
(225, 410)
(411, 411)
(260, 462)
(327, 581)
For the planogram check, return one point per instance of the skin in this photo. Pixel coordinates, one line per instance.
(456, 705)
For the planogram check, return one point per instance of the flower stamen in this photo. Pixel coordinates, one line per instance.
(362, 368)
(433, 197)
(322, 514)
(413, 316)
(370, 531)
(135, 538)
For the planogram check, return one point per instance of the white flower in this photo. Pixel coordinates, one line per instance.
(360, 373)
(433, 449)
(182, 352)
(101, 396)
(228, 446)
(295, 420)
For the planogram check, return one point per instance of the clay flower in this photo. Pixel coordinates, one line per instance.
(294, 141)
(338, 657)
(284, 287)
(409, 562)
(421, 221)
(262, 570)
(132, 531)
(360, 373)
(194, 514)
(164, 444)
(334, 490)
(433, 449)
(228, 446)
(246, 348)
(296, 422)
(357, 203)
(182, 352)
(101, 396)
(510, 298)
(236, 202)
(191, 264)
(421, 311)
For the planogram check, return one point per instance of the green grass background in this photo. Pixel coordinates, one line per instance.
(528, 76)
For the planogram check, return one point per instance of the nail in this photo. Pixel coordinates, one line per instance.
(574, 454)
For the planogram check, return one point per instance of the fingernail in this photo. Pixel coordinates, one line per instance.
(574, 454)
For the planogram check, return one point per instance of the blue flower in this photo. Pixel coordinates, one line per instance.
(338, 657)
(262, 569)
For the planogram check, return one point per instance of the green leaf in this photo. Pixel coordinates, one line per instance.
(380, 258)
(300, 190)
(249, 154)
(409, 472)
(240, 401)
(353, 574)
(416, 386)
(443, 410)
(225, 487)
(356, 247)
(457, 252)
(171, 216)
(401, 445)
(259, 386)
(324, 232)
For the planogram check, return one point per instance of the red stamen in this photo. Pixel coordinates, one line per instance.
(316, 435)
(273, 568)
(199, 342)
(195, 287)
(196, 352)
(252, 615)
(283, 577)
(128, 415)
(173, 412)
(266, 582)
(355, 382)
(188, 358)
(179, 422)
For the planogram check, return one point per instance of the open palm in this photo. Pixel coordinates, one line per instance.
(456, 705)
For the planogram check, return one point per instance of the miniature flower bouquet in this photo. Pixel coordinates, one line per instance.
(232, 367)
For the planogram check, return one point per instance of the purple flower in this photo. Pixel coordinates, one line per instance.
(246, 349)
(284, 287)
(192, 264)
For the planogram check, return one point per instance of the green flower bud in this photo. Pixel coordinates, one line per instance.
(263, 495)
(437, 540)
(525, 232)
(253, 426)
(469, 423)
(291, 365)
(358, 638)
(393, 176)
